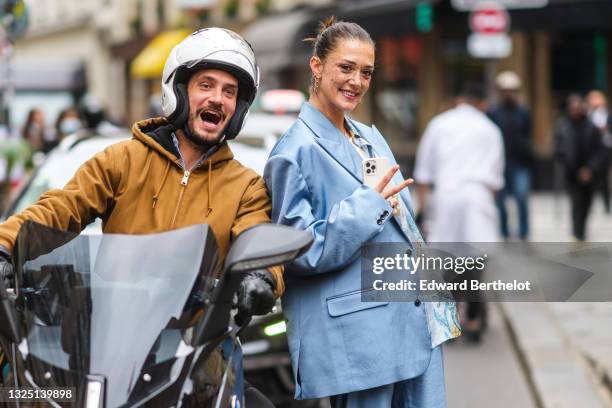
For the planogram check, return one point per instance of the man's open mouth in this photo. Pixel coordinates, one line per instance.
(211, 117)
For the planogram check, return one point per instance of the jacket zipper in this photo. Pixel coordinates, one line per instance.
(184, 182)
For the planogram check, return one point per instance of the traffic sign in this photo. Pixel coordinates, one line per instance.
(489, 18)
(489, 45)
(468, 5)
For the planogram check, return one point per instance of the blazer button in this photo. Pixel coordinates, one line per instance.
(417, 302)
(409, 252)
(379, 221)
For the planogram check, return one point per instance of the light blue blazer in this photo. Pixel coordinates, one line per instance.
(337, 343)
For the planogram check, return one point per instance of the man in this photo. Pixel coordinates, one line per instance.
(177, 170)
(514, 121)
(461, 155)
(597, 112)
(579, 147)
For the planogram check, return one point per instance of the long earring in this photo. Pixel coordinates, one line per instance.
(315, 85)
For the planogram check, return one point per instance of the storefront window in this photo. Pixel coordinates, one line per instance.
(395, 85)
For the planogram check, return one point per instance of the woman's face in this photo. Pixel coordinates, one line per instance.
(345, 74)
(38, 117)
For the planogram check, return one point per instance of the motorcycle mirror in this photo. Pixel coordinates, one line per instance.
(266, 245)
(258, 247)
(9, 329)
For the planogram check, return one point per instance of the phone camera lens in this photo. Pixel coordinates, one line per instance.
(368, 164)
(368, 171)
(373, 167)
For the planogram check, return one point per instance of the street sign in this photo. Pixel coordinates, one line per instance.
(468, 5)
(489, 45)
(489, 18)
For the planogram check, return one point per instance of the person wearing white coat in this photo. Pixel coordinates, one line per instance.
(461, 155)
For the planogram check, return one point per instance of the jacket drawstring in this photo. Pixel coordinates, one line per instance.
(210, 206)
(156, 196)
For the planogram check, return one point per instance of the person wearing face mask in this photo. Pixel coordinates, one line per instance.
(67, 123)
(177, 170)
(361, 354)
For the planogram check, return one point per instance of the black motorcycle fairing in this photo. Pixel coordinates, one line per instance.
(118, 307)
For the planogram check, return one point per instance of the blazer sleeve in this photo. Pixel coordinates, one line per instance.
(351, 222)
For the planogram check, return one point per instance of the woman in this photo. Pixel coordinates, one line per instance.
(362, 354)
(34, 129)
(67, 123)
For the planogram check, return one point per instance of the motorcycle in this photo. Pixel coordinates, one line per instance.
(132, 320)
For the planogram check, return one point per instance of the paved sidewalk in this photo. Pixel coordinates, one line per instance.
(487, 374)
(566, 347)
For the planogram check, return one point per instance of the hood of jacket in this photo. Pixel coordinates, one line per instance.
(156, 133)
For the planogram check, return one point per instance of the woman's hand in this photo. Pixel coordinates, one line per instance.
(386, 193)
(390, 194)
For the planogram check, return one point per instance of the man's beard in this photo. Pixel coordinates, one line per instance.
(199, 140)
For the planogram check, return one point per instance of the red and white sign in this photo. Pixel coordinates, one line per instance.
(489, 18)
(468, 5)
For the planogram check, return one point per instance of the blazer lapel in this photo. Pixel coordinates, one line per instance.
(339, 149)
(331, 140)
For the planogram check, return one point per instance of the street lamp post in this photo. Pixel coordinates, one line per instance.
(8, 90)
(13, 24)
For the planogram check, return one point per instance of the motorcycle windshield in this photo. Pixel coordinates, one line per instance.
(118, 308)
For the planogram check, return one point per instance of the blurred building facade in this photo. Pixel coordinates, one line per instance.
(557, 49)
(121, 46)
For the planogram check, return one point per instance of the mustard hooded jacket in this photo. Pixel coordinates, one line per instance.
(139, 187)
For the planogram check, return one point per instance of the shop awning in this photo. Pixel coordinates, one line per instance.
(277, 39)
(46, 76)
(149, 63)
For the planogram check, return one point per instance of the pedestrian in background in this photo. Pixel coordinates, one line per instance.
(67, 123)
(514, 120)
(362, 354)
(461, 155)
(597, 111)
(579, 147)
(34, 129)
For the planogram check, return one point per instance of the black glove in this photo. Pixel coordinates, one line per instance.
(6, 267)
(255, 295)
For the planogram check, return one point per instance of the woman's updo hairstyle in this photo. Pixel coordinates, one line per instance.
(329, 32)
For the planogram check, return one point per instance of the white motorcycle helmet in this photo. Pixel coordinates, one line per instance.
(209, 48)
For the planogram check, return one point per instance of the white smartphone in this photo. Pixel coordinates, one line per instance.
(374, 169)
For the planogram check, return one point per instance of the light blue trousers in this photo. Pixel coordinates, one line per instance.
(424, 391)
